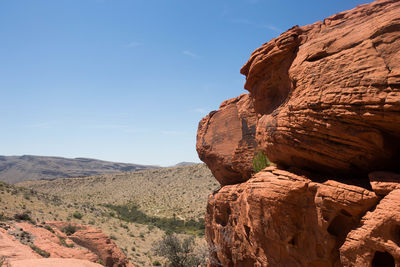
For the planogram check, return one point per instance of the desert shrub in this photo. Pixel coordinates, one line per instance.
(41, 252)
(131, 213)
(24, 216)
(260, 161)
(64, 243)
(179, 252)
(77, 215)
(69, 229)
(156, 263)
(48, 228)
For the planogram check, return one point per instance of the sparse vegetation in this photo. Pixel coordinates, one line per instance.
(131, 213)
(157, 194)
(64, 243)
(48, 228)
(179, 252)
(260, 161)
(41, 252)
(24, 216)
(77, 215)
(69, 229)
(156, 263)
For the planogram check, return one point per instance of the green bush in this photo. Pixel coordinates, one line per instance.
(260, 161)
(69, 229)
(48, 228)
(41, 252)
(179, 252)
(77, 215)
(64, 243)
(156, 263)
(23, 217)
(132, 213)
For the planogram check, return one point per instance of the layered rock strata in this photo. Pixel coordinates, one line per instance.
(25, 244)
(325, 105)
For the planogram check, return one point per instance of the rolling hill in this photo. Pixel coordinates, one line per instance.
(14, 169)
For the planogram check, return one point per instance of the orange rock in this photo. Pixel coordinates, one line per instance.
(329, 93)
(377, 240)
(87, 244)
(11, 248)
(226, 140)
(97, 242)
(325, 99)
(53, 262)
(280, 219)
(384, 182)
(51, 243)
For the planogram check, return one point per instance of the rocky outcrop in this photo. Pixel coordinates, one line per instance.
(325, 102)
(226, 140)
(329, 92)
(280, 219)
(97, 242)
(23, 242)
(377, 240)
(53, 262)
(325, 96)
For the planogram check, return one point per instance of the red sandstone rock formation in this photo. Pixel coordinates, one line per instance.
(226, 140)
(329, 92)
(97, 242)
(280, 219)
(87, 244)
(53, 262)
(325, 99)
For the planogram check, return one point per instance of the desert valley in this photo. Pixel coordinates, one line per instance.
(301, 170)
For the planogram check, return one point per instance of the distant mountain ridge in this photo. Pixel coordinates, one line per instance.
(184, 163)
(14, 169)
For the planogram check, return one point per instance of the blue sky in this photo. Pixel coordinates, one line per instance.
(129, 80)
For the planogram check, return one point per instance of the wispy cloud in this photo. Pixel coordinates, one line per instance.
(258, 25)
(200, 110)
(273, 28)
(167, 132)
(190, 54)
(134, 44)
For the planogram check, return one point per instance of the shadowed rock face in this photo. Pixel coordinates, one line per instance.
(226, 140)
(325, 101)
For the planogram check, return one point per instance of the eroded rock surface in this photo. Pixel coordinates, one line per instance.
(325, 100)
(97, 242)
(22, 243)
(377, 240)
(329, 93)
(226, 140)
(280, 219)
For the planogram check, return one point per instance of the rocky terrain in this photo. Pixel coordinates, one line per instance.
(159, 192)
(159, 197)
(324, 106)
(14, 169)
(22, 242)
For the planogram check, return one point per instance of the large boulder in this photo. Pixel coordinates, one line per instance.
(278, 218)
(325, 101)
(329, 93)
(226, 140)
